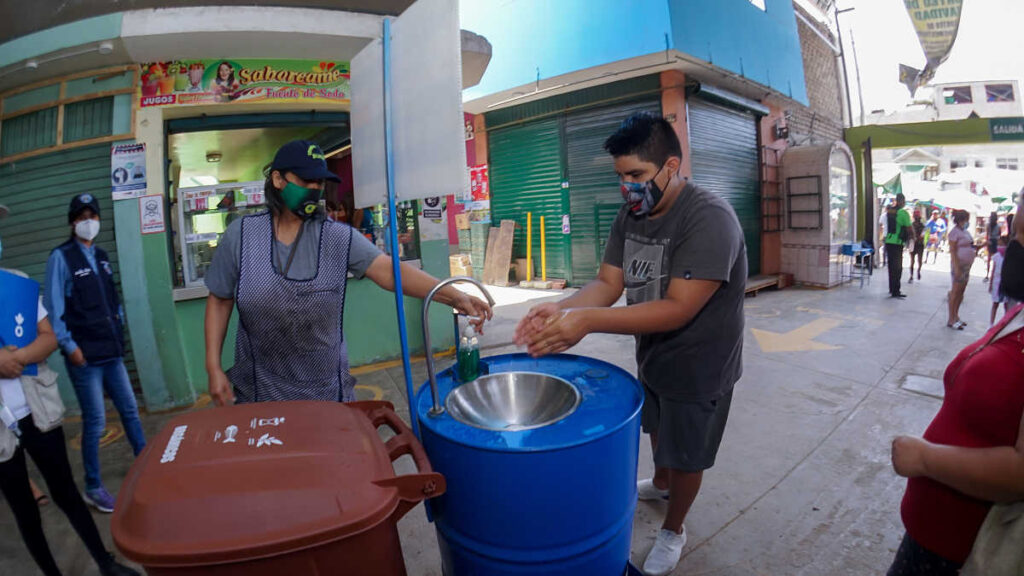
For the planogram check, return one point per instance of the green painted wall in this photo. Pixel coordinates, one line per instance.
(31, 98)
(59, 37)
(943, 133)
(371, 327)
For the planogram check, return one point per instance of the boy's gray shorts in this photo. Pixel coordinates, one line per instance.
(689, 432)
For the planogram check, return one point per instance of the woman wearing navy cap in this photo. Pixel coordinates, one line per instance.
(286, 271)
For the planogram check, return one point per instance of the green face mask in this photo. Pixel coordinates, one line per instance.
(302, 201)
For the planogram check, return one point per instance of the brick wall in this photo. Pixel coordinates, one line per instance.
(822, 121)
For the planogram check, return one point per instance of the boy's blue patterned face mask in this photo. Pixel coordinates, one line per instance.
(642, 197)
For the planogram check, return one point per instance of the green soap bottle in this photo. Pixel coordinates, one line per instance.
(468, 359)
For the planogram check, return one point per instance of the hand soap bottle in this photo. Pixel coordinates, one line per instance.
(468, 359)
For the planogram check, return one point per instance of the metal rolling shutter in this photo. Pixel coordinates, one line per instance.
(38, 191)
(594, 196)
(526, 176)
(723, 148)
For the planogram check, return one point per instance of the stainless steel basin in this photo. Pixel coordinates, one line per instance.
(510, 401)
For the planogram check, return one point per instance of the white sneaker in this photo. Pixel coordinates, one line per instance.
(646, 490)
(664, 556)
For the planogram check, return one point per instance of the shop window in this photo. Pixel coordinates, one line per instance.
(29, 132)
(957, 95)
(931, 172)
(841, 207)
(758, 3)
(88, 119)
(1006, 163)
(999, 93)
(960, 163)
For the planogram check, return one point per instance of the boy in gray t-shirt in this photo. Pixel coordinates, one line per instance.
(678, 252)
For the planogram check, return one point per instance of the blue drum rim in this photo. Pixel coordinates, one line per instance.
(424, 402)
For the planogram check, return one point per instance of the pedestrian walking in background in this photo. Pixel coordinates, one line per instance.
(678, 252)
(961, 253)
(884, 261)
(992, 241)
(85, 310)
(917, 245)
(971, 455)
(995, 277)
(936, 229)
(897, 233)
(32, 414)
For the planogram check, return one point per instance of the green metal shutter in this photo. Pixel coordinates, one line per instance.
(38, 191)
(526, 176)
(29, 132)
(724, 158)
(594, 196)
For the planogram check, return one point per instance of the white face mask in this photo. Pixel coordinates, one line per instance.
(87, 229)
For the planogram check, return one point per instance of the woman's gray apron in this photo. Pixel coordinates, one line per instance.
(290, 344)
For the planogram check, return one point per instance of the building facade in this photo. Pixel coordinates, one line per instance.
(564, 75)
(170, 115)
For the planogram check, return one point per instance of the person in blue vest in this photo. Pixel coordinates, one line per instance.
(88, 319)
(31, 412)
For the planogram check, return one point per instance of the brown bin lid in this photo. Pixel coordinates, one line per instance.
(251, 481)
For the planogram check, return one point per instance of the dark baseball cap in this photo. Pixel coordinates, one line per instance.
(304, 159)
(80, 202)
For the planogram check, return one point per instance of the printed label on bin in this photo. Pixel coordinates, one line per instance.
(258, 422)
(171, 451)
(266, 440)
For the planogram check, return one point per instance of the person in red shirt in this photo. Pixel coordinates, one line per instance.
(971, 456)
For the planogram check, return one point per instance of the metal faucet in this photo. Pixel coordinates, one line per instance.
(437, 410)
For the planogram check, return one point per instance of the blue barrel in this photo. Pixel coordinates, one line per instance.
(554, 500)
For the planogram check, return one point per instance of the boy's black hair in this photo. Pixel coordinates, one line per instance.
(648, 136)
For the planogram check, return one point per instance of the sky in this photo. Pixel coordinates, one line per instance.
(989, 46)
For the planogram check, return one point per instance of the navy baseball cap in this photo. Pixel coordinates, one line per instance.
(304, 159)
(80, 202)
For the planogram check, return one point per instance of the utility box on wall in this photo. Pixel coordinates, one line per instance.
(819, 204)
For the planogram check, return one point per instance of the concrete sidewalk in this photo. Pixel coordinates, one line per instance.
(803, 483)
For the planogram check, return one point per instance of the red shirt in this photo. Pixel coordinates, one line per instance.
(982, 409)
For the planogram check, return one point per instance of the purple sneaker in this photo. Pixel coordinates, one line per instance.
(100, 499)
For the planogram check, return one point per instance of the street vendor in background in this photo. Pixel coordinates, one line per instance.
(678, 251)
(286, 271)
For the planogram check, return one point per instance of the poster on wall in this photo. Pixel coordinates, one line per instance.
(479, 188)
(151, 214)
(127, 170)
(190, 82)
(433, 220)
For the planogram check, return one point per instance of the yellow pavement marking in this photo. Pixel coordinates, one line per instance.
(378, 393)
(367, 368)
(798, 340)
(112, 433)
(838, 316)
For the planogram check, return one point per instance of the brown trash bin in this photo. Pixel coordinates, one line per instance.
(275, 488)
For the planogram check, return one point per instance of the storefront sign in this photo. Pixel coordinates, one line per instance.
(189, 82)
(1006, 128)
(127, 170)
(151, 214)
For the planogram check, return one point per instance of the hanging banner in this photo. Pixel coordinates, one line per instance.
(127, 170)
(189, 82)
(936, 23)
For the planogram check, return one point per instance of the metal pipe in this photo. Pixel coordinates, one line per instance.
(438, 409)
(396, 265)
(543, 254)
(842, 57)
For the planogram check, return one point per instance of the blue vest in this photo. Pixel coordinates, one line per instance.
(91, 311)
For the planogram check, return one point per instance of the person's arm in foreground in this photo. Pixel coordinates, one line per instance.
(215, 326)
(13, 360)
(993, 474)
(683, 301)
(418, 284)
